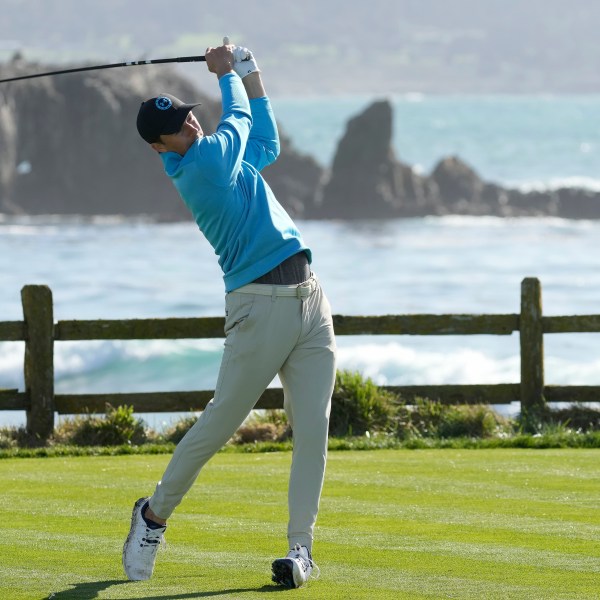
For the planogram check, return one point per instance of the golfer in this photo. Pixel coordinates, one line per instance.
(277, 318)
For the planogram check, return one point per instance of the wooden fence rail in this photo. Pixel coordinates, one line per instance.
(39, 332)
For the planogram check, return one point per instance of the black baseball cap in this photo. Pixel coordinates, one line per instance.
(163, 114)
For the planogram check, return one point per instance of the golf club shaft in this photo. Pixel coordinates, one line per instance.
(111, 66)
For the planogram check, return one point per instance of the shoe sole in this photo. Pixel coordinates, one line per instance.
(283, 572)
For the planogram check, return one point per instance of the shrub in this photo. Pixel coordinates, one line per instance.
(257, 432)
(428, 418)
(358, 406)
(420, 419)
(176, 432)
(264, 426)
(471, 421)
(577, 416)
(118, 426)
(7, 438)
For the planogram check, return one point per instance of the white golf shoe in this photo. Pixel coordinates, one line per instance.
(139, 551)
(295, 569)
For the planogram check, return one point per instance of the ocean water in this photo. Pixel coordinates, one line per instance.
(115, 268)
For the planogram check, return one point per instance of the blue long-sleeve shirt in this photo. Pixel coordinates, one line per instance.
(219, 181)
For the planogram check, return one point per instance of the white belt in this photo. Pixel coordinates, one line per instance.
(302, 290)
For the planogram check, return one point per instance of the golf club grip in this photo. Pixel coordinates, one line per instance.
(157, 61)
(170, 60)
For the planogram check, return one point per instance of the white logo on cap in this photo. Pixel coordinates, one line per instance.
(163, 103)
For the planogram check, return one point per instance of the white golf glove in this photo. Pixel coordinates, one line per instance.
(244, 63)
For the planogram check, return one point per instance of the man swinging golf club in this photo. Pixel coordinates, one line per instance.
(277, 318)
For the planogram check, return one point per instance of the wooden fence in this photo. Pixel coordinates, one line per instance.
(39, 332)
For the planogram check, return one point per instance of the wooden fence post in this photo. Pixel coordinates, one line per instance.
(39, 359)
(532, 352)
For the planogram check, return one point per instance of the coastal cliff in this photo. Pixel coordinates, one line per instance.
(70, 146)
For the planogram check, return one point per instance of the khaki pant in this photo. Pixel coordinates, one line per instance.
(267, 334)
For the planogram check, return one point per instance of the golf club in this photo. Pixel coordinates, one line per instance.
(157, 61)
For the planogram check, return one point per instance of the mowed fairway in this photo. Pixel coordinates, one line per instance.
(479, 524)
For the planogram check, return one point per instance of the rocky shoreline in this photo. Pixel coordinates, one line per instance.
(69, 147)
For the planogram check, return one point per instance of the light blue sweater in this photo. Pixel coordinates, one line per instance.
(219, 181)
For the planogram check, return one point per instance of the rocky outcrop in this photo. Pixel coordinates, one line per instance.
(367, 181)
(70, 146)
(76, 148)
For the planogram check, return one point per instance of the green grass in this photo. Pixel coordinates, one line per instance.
(480, 524)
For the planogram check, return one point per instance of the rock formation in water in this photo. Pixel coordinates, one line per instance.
(366, 178)
(367, 181)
